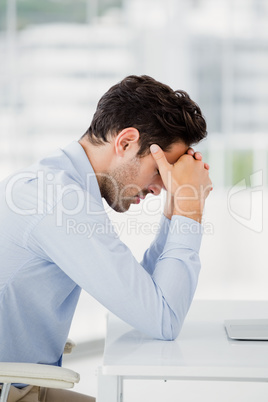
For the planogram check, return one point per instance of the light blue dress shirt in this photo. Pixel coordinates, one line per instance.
(55, 238)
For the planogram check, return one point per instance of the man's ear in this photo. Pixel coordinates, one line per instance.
(127, 139)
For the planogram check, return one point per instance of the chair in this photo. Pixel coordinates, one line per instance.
(42, 375)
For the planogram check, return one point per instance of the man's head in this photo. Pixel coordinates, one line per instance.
(162, 116)
(132, 115)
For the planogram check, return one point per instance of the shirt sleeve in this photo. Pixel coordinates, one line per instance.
(87, 249)
(156, 248)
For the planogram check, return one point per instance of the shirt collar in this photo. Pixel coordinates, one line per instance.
(75, 152)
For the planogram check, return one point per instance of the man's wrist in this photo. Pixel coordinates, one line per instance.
(168, 215)
(189, 210)
(169, 206)
(194, 216)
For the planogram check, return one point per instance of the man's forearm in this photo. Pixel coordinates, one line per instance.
(156, 248)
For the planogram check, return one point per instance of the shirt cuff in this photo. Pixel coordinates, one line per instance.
(184, 233)
(164, 225)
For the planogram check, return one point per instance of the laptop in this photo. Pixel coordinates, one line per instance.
(247, 330)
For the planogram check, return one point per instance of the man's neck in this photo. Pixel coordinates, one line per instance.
(100, 157)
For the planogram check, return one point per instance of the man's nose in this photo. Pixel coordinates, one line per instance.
(155, 188)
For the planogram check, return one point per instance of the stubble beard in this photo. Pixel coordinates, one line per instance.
(117, 187)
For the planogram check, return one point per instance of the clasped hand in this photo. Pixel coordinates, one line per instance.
(187, 183)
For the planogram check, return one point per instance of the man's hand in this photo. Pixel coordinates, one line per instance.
(187, 183)
(197, 156)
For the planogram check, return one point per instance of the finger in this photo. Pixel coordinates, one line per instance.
(160, 158)
(198, 156)
(190, 151)
(206, 166)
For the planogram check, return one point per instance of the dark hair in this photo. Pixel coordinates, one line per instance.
(162, 116)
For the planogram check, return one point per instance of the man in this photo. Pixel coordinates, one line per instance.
(138, 143)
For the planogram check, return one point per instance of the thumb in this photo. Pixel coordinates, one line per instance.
(160, 159)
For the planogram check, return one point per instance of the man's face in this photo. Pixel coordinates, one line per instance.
(132, 180)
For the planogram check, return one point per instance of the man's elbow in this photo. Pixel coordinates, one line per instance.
(171, 332)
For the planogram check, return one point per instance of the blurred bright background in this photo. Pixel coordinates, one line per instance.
(57, 57)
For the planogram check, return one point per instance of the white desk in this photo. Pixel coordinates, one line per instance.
(201, 352)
